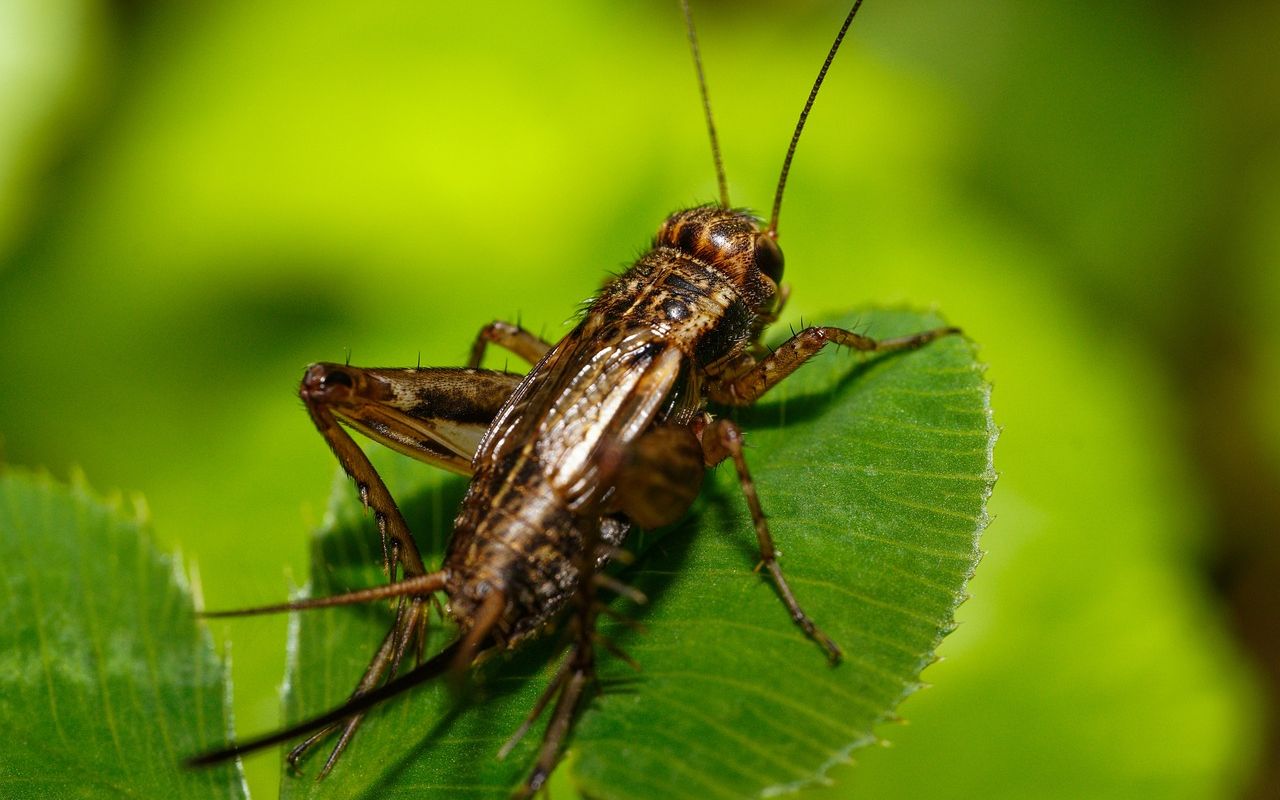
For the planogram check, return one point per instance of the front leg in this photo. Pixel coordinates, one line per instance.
(742, 387)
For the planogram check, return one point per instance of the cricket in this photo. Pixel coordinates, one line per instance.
(609, 430)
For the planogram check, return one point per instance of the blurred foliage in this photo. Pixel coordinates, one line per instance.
(195, 202)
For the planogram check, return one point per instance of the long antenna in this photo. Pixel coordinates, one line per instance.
(706, 104)
(772, 230)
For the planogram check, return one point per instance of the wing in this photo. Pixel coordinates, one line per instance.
(601, 385)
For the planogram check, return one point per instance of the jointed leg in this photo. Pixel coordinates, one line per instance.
(722, 439)
(577, 672)
(437, 416)
(659, 476)
(408, 628)
(570, 684)
(746, 387)
(509, 337)
(579, 669)
(398, 545)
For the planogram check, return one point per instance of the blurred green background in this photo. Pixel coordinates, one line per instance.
(198, 200)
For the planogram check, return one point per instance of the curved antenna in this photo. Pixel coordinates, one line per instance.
(706, 104)
(772, 230)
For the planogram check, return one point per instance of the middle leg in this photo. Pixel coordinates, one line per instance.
(722, 440)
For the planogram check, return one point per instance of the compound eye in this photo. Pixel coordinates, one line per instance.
(769, 258)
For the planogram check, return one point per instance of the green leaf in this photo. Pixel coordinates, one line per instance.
(106, 679)
(874, 472)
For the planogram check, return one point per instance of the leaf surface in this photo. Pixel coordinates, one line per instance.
(107, 682)
(874, 472)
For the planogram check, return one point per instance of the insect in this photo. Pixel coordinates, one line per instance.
(609, 430)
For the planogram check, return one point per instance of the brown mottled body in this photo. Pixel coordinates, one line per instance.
(637, 360)
(609, 429)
